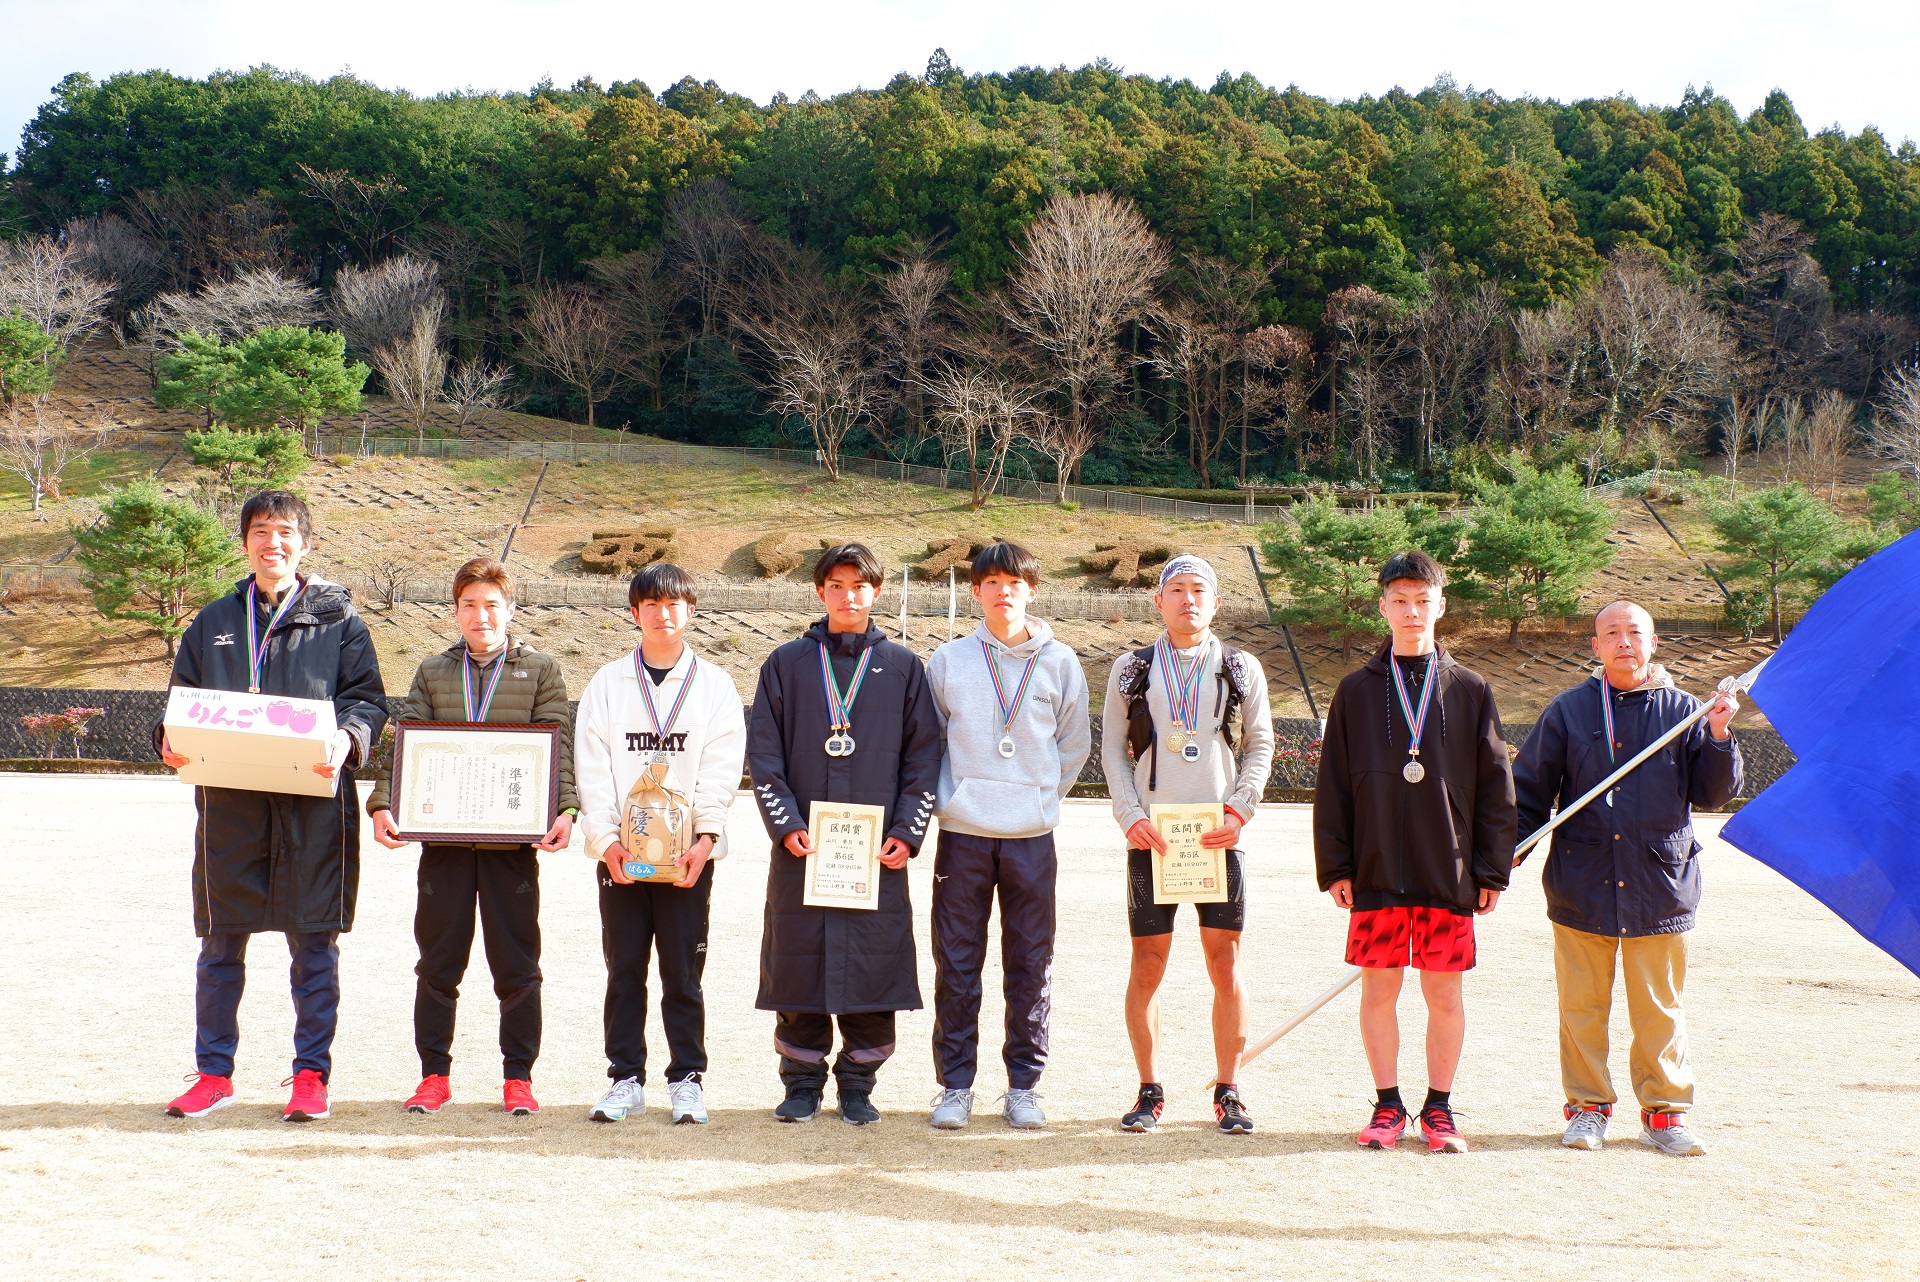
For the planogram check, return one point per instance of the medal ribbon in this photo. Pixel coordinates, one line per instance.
(660, 732)
(1008, 711)
(840, 706)
(1415, 723)
(1606, 714)
(257, 644)
(467, 682)
(1183, 688)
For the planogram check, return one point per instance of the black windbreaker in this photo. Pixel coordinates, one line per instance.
(270, 860)
(841, 960)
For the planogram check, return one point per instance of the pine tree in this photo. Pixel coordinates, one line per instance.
(1782, 536)
(1331, 562)
(1535, 542)
(154, 560)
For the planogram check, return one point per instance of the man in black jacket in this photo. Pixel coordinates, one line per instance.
(821, 964)
(271, 861)
(1623, 875)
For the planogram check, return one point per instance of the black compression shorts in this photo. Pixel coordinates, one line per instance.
(1144, 917)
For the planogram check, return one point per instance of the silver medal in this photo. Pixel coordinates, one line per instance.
(1006, 746)
(1414, 772)
(1191, 752)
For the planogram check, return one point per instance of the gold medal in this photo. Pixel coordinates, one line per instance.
(1176, 740)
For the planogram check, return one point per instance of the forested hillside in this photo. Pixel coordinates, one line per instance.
(1281, 287)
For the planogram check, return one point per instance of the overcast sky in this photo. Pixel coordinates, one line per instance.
(1848, 64)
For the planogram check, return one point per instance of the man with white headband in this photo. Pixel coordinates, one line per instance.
(1176, 713)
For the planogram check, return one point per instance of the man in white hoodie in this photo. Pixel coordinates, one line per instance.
(1013, 706)
(658, 703)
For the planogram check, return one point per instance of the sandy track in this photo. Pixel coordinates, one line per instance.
(1805, 1040)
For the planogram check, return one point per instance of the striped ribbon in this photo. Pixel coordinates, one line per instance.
(1183, 685)
(1008, 711)
(1415, 722)
(1606, 713)
(840, 706)
(661, 732)
(467, 683)
(257, 644)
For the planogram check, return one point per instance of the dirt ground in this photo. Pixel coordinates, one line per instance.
(1804, 1039)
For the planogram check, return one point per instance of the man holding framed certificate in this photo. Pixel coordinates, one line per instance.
(659, 742)
(843, 719)
(1176, 714)
(270, 860)
(481, 801)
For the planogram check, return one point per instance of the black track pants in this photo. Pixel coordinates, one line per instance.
(505, 886)
(636, 921)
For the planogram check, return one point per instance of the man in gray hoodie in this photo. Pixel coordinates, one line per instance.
(1012, 702)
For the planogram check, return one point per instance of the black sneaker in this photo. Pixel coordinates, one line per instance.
(1145, 1115)
(1232, 1114)
(856, 1108)
(802, 1104)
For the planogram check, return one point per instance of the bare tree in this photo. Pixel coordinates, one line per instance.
(914, 327)
(1896, 428)
(705, 230)
(230, 309)
(1661, 359)
(1200, 341)
(643, 295)
(38, 449)
(1777, 305)
(1449, 338)
(378, 306)
(1366, 328)
(574, 335)
(370, 212)
(414, 367)
(980, 410)
(207, 233)
(1745, 429)
(1830, 429)
(1087, 265)
(45, 281)
(1548, 383)
(814, 334)
(390, 571)
(109, 248)
(477, 384)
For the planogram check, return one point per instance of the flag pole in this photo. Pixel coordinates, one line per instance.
(1728, 685)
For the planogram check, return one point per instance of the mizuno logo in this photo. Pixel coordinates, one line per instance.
(225, 638)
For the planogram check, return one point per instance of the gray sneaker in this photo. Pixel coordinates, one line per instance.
(1668, 1132)
(952, 1109)
(624, 1096)
(1586, 1129)
(1022, 1110)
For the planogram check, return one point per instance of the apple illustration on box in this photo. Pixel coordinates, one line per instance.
(278, 711)
(301, 720)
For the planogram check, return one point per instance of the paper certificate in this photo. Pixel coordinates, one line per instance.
(474, 781)
(844, 869)
(1189, 873)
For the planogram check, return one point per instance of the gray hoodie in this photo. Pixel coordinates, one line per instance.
(982, 793)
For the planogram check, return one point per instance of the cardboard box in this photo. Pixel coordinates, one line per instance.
(254, 742)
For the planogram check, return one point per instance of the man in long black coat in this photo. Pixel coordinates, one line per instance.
(273, 861)
(821, 964)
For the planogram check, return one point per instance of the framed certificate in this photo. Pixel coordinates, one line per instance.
(1189, 873)
(475, 781)
(844, 869)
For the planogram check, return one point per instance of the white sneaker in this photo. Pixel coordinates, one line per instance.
(951, 1109)
(689, 1105)
(1586, 1128)
(1021, 1108)
(624, 1096)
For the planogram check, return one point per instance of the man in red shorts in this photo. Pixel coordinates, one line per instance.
(1413, 831)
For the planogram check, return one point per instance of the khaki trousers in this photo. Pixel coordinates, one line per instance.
(1655, 969)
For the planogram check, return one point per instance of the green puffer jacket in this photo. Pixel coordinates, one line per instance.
(531, 689)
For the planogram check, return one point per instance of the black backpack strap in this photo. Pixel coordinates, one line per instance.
(1137, 669)
(1233, 676)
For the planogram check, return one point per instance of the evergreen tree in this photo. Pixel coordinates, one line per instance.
(1535, 542)
(154, 560)
(28, 356)
(194, 376)
(289, 375)
(248, 461)
(1331, 563)
(1781, 537)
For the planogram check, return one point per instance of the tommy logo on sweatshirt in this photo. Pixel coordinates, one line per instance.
(648, 741)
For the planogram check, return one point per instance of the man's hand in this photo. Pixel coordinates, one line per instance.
(1342, 892)
(1227, 835)
(1488, 898)
(336, 755)
(557, 836)
(1144, 836)
(168, 755)
(894, 853)
(384, 831)
(1720, 712)
(694, 861)
(615, 855)
(798, 843)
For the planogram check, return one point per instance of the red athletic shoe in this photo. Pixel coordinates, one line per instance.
(517, 1098)
(1442, 1135)
(431, 1095)
(309, 1102)
(206, 1094)
(1384, 1131)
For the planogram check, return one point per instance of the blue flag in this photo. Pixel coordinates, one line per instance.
(1844, 692)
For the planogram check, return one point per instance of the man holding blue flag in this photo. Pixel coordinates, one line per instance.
(1623, 875)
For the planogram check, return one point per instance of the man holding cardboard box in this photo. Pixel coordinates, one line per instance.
(273, 860)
